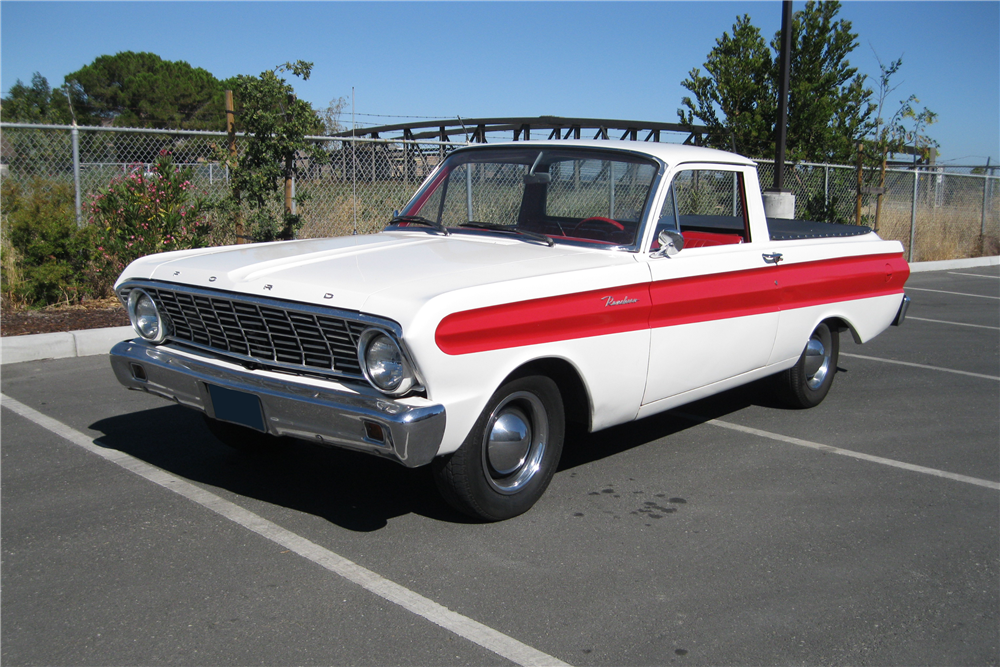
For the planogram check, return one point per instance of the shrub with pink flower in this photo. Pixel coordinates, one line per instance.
(146, 212)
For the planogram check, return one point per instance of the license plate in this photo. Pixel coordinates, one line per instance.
(237, 407)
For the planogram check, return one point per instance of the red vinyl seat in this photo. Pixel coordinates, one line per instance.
(709, 239)
(704, 239)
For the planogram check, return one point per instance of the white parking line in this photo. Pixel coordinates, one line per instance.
(845, 452)
(924, 366)
(941, 291)
(477, 633)
(974, 275)
(957, 324)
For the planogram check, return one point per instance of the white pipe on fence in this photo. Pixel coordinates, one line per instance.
(913, 217)
(75, 140)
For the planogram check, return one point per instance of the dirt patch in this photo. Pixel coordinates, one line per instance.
(90, 315)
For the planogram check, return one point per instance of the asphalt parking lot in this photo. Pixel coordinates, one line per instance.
(730, 532)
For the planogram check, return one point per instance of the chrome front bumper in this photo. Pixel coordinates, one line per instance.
(377, 425)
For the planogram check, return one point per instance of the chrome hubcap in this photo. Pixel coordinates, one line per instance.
(508, 442)
(817, 357)
(514, 441)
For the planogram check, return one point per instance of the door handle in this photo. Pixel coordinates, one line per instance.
(772, 258)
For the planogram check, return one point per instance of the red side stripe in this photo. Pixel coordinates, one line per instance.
(671, 302)
(842, 279)
(714, 297)
(580, 315)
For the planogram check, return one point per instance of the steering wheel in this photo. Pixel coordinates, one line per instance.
(614, 223)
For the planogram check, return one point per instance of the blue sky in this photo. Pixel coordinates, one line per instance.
(587, 59)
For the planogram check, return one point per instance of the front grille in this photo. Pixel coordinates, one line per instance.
(270, 332)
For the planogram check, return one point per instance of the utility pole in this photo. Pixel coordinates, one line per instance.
(779, 202)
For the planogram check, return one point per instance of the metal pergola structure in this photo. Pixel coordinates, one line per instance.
(474, 130)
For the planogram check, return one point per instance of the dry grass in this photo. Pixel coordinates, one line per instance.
(337, 219)
(10, 274)
(942, 232)
(330, 209)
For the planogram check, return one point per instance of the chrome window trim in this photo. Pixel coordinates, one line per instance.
(368, 321)
(650, 210)
(671, 171)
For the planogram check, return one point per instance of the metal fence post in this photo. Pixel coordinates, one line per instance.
(736, 197)
(75, 140)
(913, 216)
(468, 190)
(986, 188)
(826, 185)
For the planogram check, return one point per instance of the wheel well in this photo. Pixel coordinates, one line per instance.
(576, 399)
(839, 325)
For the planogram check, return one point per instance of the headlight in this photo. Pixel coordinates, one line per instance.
(383, 363)
(146, 318)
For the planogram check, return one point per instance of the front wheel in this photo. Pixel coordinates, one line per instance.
(807, 383)
(509, 457)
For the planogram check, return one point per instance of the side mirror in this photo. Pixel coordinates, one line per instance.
(671, 243)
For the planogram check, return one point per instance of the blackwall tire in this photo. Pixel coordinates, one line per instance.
(511, 453)
(807, 383)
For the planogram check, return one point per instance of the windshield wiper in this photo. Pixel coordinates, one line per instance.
(419, 220)
(534, 236)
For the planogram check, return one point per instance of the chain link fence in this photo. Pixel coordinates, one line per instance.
(936, 214)
(354, 190)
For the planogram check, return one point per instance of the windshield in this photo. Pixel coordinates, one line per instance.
(566, 194)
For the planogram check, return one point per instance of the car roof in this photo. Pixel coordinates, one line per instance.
(671, 154)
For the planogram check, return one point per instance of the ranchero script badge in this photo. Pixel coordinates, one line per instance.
(612, 301)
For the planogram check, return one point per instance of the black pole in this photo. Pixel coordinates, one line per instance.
(784, 65)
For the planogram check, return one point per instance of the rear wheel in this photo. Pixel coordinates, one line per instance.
(807, 383)
(509, 457)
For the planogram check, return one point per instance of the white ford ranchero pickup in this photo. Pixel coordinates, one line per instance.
(525, 285)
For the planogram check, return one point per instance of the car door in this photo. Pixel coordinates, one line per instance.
(715, 304)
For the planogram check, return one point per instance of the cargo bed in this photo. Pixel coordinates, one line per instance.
(778, 229)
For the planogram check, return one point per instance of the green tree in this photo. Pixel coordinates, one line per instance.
(143, 90)
(829, 107)
(36, 103)
(740, 85)
(906, 127)
(275, 123)
(47, 256)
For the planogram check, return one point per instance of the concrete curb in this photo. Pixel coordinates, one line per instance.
(946, 264)
(83, 343)
(15, 349)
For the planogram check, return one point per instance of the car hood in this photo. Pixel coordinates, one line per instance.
(364, 273)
